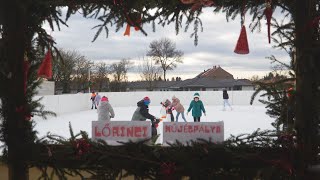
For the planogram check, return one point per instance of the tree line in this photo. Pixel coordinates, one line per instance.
(73, 72)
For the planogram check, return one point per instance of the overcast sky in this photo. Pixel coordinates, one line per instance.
(215, 47)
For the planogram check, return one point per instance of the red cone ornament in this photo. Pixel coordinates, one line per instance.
(268, 13)
(45, 69)
(242, 44)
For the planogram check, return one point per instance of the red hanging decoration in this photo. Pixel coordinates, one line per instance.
(26, 67)
(242, 44)
(197, 4)
(268, 12)
(133, 19)
(45, 69)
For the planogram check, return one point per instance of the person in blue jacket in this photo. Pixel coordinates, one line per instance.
(197, 108)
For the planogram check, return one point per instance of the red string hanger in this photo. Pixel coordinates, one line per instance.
(268, 13)
(26, 67)
(242, 46)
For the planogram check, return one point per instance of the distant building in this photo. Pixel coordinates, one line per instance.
(215, 73)
(215, 79)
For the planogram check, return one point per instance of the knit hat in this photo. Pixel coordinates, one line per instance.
(196, 95)
(174, 97)
(146, 100)
(104, 98)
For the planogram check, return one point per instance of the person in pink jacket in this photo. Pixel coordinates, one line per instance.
(178, 107)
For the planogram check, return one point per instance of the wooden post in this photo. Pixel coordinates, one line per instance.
(15, 29)
(306, 73)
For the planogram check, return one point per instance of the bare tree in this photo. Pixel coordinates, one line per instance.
(254, 78)
(164, 53)
(102, 70)
(81, 72)
(63, 68)
(149, 72)
(119, 72)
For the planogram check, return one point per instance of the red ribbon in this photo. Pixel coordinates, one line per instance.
(130, 23)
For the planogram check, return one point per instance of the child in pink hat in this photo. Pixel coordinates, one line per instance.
(105, 110)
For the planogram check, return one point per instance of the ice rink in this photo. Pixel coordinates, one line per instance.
(242, 119)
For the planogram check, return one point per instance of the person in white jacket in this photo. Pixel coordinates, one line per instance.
(97, 99)
(105, 110)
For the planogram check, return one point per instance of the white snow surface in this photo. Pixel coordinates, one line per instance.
(242, 119)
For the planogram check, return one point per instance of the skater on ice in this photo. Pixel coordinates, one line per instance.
(142, 114)
(176, 105)
(226, 100)
(97, 99)
(92, 98)
(166, 103)
(197, 108)
(105, 110)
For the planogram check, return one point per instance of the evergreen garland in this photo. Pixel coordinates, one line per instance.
(262, 154)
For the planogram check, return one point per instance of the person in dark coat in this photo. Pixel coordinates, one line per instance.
(142, 114)
(92, 98)
(225, 99)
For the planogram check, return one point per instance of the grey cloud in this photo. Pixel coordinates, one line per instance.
(216, 44)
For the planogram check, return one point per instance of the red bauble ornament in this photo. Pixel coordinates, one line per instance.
(81, 146)
(268, 12)
(242, 44)
(45, 69)
(168, 169)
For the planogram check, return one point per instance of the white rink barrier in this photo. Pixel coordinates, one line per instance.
(78, 102)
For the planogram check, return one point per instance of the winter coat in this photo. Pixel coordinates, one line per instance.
(177, 105)
(142, 112)
(93, 96)
(225, 95)
(97, 99)
(167, 105)
(105, 111)
(197, 108)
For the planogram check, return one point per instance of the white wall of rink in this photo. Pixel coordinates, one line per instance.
(78, 102)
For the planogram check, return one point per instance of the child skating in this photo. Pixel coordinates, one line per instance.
(226, 100)
(197, 108)
(176, 105)
(167, 104)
